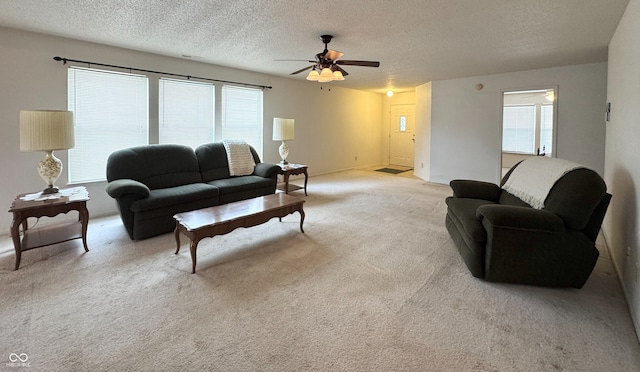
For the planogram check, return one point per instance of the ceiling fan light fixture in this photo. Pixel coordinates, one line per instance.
(337, 76)
(325, 75)
(313, 75)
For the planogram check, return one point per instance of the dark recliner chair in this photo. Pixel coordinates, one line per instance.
(503, 239)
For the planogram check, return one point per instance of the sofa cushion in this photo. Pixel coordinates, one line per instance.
(213, 163)
(160, 198)
(464, 212)
(156, 166)
(240, 184)
(507, 198)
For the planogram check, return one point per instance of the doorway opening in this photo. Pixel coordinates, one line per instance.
(529, 125)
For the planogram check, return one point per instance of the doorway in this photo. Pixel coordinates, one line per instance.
(402, 135)
(529, 125)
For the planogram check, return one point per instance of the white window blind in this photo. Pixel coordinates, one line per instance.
(546, 129)
(518, 129)
(111, 112)
(186, 112)
(242, 115)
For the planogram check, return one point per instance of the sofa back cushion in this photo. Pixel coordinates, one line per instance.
(157, 166)
(213, 163)
(575, 196)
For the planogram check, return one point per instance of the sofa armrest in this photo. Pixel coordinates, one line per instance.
(520, 218)
(266, 170)
(475, 190)
(118, 188)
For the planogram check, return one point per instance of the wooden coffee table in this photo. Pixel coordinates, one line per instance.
(222, 219)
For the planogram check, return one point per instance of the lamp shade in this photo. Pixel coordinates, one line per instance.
(46, 130)
(337, 76)
(314, 75)
(325, 75)
(283, 129)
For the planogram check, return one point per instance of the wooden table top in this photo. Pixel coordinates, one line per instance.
(37, 200)
(207, 217)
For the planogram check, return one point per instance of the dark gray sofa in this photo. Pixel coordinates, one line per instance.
(503, 239)
(152, 183)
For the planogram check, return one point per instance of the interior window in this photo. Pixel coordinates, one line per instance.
(242, 115)
(111, 112)
(186, 112)
(528, 125)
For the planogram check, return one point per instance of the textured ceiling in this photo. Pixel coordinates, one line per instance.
(416, 41)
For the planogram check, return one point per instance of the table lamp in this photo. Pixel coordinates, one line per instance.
(283, 131)
(47, 131)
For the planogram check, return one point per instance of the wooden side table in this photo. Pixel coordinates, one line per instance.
(293, 170)
(36, 205)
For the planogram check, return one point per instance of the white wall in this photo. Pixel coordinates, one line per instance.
(423, 132)
(622, 156)
(333, 124)
(465, 122)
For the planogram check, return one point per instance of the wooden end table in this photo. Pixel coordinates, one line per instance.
(37, 205)
(222, 219)
(287, 170)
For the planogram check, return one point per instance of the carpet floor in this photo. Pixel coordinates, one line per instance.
(374, 284)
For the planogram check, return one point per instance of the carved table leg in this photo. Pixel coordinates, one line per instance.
(192, 247)
(84, 217)
(301, 218)
(306, 176)
(286, 183)
(176, 233)
(15, 235)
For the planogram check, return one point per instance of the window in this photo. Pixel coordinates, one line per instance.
(242, 115)
(403, 123)
(518, 129)
(111, 112)
(546, 129)
(186, 112)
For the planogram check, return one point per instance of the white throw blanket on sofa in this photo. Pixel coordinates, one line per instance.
(532, 179)
(239, 157)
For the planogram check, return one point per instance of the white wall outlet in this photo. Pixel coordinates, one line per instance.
(628, 252)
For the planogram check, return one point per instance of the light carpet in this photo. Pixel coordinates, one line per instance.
(374, 284)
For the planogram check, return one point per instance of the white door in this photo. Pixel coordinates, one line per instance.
(402, 135)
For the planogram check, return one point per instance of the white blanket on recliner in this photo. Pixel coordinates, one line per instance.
(532, 179)
(239, 157)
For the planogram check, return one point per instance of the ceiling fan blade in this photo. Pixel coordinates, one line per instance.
(347, 62)
(333, 54)
(302, 69)
(344, 73)
(294, 60)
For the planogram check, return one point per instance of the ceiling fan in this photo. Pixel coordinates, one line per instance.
(326, 66)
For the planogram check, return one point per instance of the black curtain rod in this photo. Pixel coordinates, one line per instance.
(65, 60)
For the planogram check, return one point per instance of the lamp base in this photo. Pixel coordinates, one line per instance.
(284, 152)
(49, 170)
(50, 190)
